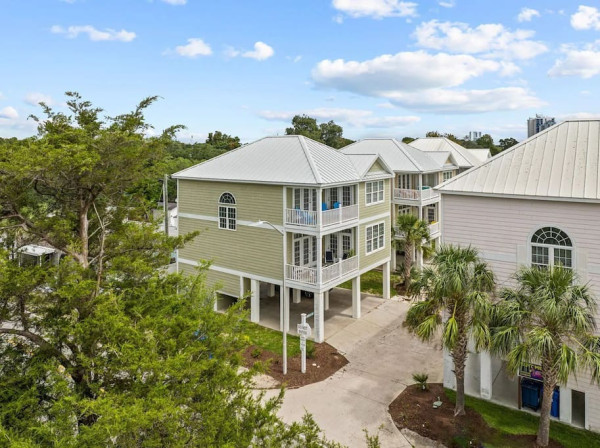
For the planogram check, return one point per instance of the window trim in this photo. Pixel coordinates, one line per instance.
(383, 247)
(444, 173)
(379, 201)
(228, 207)
(551, 247)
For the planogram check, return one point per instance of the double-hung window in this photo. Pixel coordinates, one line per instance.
(374, 192)
(227, 212)
(375, 237)
(446, 175)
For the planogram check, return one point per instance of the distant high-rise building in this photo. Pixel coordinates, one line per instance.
(474, 135)
(538, 124)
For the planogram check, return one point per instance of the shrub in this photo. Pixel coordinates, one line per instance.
(421, 380)
(256, 353)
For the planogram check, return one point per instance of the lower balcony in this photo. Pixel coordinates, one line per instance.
(329, 273)
(425, 194)
(434, 230)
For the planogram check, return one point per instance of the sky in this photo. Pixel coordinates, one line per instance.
(379, 68)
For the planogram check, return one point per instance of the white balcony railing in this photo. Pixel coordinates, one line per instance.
(301, 217)
(331, 217)
(415, 195)
(308, 275)
(302, 274)
(339, 215)
(434, 228)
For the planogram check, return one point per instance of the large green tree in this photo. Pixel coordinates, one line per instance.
(220, 140)
(549, 318)
(456, 294)
(107, 348)
(413, 237)
(506, 143)
(329, 133)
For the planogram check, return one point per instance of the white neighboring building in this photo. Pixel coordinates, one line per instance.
(537, 203)
(466, 158)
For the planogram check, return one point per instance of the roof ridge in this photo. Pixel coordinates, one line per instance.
(310, 159)
(408, 156)
(231, 151)
(500, 154)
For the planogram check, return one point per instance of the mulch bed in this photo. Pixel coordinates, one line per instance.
(413, 409)
(325, 361)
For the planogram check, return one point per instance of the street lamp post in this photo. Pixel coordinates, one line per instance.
(283, 292)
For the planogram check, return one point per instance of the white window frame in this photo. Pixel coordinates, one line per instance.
(374, 189)
(405, 182)
(447, 175)
(229, 209)
(551, 249)
(377, 238)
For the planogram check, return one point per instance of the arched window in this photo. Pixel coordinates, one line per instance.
(551, 247)
(227, 212)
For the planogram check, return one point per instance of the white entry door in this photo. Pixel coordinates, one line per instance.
(304, 250)
(305, 199)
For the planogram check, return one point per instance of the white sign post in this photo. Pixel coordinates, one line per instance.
(304, 331)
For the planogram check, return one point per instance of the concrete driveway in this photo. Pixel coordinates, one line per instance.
(383, 356)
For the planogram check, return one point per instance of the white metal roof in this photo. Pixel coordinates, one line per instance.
(364, 162)
(289, 160)
(481, 154)
(561, 162)
(464, 158)
(398, 156)
(35, 250)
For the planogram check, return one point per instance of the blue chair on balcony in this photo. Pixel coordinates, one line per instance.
(328, 257)
(336, 205)
(324, 206)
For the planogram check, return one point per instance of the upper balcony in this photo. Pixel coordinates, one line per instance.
(332, 207)
(426, 194)
(322, 219)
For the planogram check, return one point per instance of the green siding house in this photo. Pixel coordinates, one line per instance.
(289, 212)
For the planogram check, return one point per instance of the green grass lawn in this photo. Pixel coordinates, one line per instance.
(511, 421)
(372, 283)
(272, 340)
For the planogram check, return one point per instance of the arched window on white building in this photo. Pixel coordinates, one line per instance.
(551, 247)
(227, 212)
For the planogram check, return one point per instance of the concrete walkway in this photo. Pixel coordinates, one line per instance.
(383, 356)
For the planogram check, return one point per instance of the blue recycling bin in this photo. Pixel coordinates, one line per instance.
(555, 409)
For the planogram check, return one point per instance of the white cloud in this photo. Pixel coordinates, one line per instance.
(527, 14)
(386, 106)
(360, 118)
(467, 101)
(35, 98)
(489, 40)
(425, 82)
(194, 48)
(94, 34)
(9, 113)
(404, 71)
(261, 52)
(376, 8)
(175, 2)
(579, 116)
(578, 61)
(447, 4)
(586, 17)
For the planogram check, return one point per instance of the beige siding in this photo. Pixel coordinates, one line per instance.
(254, 250)
(379, 256)
(377, 168)
(502, 228)
(253, 201)
(376, 209)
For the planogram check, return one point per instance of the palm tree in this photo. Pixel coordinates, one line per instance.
(457, 287)
(413, 236)
(549, 319)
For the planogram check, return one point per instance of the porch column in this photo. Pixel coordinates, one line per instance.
(254, 301)
(326, 299)
(286, 301)
(386, 280)
(271, 290)
(297, 294)
(393, 260)
(485, 375)
(215, 302)
(281, 307)
(319, 318)
(565, 404)
(356, 297)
